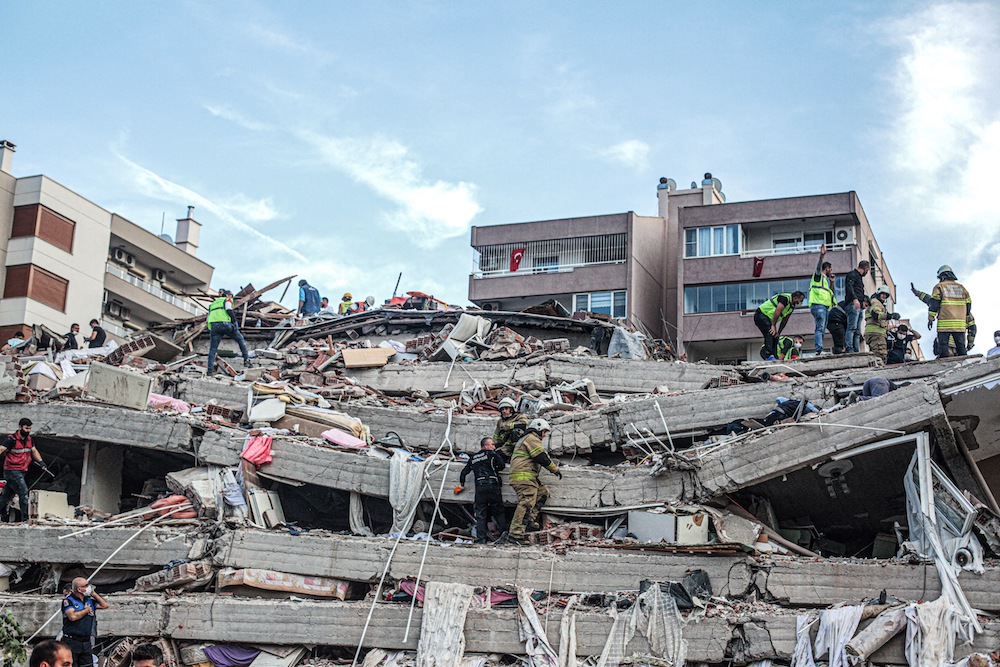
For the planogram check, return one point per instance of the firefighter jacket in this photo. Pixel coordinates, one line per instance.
(951, 305)
(508, 432)
(876, 318)
(529, 457)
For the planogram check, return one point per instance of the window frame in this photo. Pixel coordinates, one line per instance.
(713, 241)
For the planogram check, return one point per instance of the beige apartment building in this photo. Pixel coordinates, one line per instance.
(694, 274)
(67, 260)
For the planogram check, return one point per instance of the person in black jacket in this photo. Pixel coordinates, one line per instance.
(854, 295)
(485, 465)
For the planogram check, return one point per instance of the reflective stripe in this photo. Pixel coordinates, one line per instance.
(820, 293)
(20, 451)
(769, 306)
(523, 476)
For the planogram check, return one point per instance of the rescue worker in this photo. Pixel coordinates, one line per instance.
(20, 450)
(772, 316)
(485, 466)
(528, 459)
(951, 305)
(308, 299)
(510, 428)
(346, 304)
(876, 323)
(79, 610)
(788, 347)
(222, 322)
(821, 297)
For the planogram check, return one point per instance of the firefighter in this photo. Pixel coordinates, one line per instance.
(528, 459)
(876, 323)
(951, 305)
(511, 427)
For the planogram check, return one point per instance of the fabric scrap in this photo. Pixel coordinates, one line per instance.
(406, 485)
(442, 630)
(931, 629)
(231, 655)
(257, 450)
(536, 644)
(836, 627)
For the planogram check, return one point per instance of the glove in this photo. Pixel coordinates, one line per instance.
(912, 288)
(930, 324)
(459, 489)
(895, 316)
(558, 474)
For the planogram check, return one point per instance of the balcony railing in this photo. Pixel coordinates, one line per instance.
(114, 329)
(797, 249)
(156, 291)
(550, 256)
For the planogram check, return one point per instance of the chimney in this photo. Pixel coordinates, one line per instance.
(188, 230)
(6, 155)
(663, 190)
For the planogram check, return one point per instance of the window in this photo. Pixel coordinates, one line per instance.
(746, 296)
(36, 220)
(712, 241)
(796, 242)
(606, 303)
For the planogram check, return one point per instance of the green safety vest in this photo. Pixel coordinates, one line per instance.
(217, 312)
(820, 292)
(769, 306)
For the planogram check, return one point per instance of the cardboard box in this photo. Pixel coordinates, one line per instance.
(40, 382)
(372, 357)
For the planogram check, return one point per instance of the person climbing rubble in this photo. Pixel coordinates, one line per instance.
(877, 322)
(772, 316)
(309, 299)
(528, 459)
(222, 322)
(995, 350)
(79, 610)
(20, 450)
(899, 340)
(485, 466)
(346, 304)
(510, 428)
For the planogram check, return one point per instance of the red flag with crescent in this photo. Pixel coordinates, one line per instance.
(515, 258)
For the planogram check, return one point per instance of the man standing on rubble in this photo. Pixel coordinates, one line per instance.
(308, 299)
(951, 305)
(876, 323)
(79, 610)
(772, 316)
(853, 304)
(98, 335)
(821, 297)
(485, 466)
(511, 427)
(71, 342)
(528, 459)
(20, 450)
(222, 322)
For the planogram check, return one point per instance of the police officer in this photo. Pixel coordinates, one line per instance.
(222, 322)
(485, 466)
(510, 428)
(20, 450)
(528, 459)
(79, 610)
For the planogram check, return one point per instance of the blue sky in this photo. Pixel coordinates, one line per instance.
(346, 142)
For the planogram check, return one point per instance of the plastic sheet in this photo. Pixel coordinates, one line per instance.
(442, 630)
(406, 483)
(536, 644)
(836, 627)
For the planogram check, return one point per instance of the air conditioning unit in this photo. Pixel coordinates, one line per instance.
(843, 235)
(159, 275)
(119, 255)
(125, 313)
(129, 260)
(114, 308)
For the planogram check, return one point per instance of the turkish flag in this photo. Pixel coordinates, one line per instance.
(758, 266)
(515, 258)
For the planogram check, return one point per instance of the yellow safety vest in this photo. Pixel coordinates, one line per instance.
(769, 306)
(821, 292)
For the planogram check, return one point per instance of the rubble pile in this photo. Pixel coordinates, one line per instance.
(302, 509)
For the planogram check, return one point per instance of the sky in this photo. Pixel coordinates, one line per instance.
(349, 142)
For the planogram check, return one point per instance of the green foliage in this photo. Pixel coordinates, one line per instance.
(13, 650)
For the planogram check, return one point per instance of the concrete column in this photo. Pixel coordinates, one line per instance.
(101, 481)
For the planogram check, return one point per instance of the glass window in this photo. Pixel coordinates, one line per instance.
(712, 241)
(718, 240)
(785, 245)
(580, 302)
(691, 243)
(704, 241)
(619, 304)
(733, 239)
(742, 296)
(600, 302)
(545, 263)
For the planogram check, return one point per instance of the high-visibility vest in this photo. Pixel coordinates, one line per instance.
(217, 312)
(820, 292)
(769, 306)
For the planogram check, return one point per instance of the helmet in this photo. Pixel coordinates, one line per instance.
(508, 402)
(944, 269)
(883, 290)
(347, 297)
(539, 425)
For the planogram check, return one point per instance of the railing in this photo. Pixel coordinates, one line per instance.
(158, 292)
(114, 329)
(550, 256)
(798, 249)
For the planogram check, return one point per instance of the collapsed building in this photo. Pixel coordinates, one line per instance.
(302, 509)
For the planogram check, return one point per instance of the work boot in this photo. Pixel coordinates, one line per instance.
(247, 363)
(532, 526)
(507, 539)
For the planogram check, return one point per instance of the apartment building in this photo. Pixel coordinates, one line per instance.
(693, 274)
(67, 260)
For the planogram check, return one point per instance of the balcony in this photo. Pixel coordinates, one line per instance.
(796, 249)
(550, 256)
(154, 290)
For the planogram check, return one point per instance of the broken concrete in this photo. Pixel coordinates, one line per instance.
(23, 543)
(119, 386)
(447, 378)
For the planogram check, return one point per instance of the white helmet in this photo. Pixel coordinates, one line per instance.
(508, 402)
(539, 425)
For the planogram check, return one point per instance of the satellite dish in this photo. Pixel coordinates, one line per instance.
(717, 184)
(694, 185)
(671, 185)
(166, 237)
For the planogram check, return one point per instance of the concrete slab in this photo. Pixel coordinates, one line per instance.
(612, 376)
(817, 365)
(440, 378)
(22, 543)
(119, 386)
(362, 559)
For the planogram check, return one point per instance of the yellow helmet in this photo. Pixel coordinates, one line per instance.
(347, 297)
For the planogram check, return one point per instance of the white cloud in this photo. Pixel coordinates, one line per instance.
(153, 185)
(428, 211)
(230, 114)
(946, 143)
(632, 153)
(273, 39)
